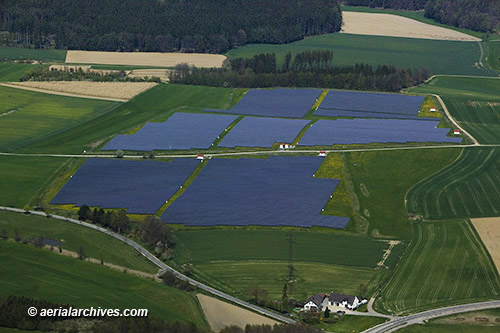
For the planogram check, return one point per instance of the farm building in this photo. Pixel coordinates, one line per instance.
(315, 303)
(456, 132)
(334, 302)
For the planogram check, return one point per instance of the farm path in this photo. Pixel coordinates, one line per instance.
(163, 266)
(455, 123)
(419, 318)
(52, 92)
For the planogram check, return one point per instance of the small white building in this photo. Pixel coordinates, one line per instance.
(432, 109)
(285, 146)
(200, 157)
(456, 132)
(322, 153)
(314, 303)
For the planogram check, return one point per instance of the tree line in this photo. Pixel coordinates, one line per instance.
(479, 15)
(45, 74)
(312, 69)
(163, 25)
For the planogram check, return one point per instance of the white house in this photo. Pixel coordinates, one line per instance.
(285, 145)
(432, 109)
(348, 302)
(322, 153)
(200, 157)
(314, 303)
(456, 132)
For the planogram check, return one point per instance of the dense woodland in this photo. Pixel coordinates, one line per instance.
(314, 69)
(163, 25)
(479, 15)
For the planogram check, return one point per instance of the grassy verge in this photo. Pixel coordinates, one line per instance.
(351, 324)
(96, 244)
(36, 273)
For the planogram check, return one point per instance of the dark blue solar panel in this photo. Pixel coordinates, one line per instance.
(181, 131)
(363, 114)
(140, 186)
(372, 102)
(364, 131)
(263, 132)
(291, 103)
(271, 192)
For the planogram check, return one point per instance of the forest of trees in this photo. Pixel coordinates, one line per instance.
(163, 25)
(479, 15)
(313, 69)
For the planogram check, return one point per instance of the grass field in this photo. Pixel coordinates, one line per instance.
(416, 15)
(351, 324)
(466, 87)
(494, 55)
(235, 277)
(154, 105)
(445, 263)
(447, 328)
(36, 273)
(29, 116)
(197, 247)
(17, 53)
(469, 187)
(438, 56)
(381, 180)
(23, 178)
(96, 244)
(10, 72)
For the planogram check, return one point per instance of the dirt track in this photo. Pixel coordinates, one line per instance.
(119, 91)
(221, 314)
(489, 230)
(144, 58)
(397, 26)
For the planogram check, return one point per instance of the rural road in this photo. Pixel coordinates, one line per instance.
(419, 318)
(164, 266)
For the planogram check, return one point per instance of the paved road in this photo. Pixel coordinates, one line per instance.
(419, 318)
(164, 266)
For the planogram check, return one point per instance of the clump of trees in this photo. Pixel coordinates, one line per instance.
(313, 69)
(44, 74)
(115, 220)
(163, 25)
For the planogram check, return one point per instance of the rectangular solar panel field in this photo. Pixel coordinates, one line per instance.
(363, 114)
(140, 186)
(288, 103)
(365, 131)
(263, 132)
(181, 131)
(372, 102)
(268, 192)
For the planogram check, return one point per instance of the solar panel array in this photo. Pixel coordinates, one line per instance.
(263, 132)
(365, 131)
(369, 105)
(180, 131)
(288, 103)
(269, 192)
(140, 186)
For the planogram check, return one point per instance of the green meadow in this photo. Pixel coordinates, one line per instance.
(37, 273)
(436, 55)
(444, 264)
(71, 236)
(17, 53)
(12, 72)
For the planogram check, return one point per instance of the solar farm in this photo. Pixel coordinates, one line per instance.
(277, 191)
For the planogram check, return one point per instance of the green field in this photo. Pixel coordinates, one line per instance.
(436, 55)
(494, 55)
(381, 180)
(156, 104)
(35, 273)
(235, 277)
(327, 247)
(447, 328)
(17, 53)
(30, 116)
(469, 187)
(445, 263)
(473, 102)
(96, 244)
(415, 15)
(351, 324)
(10, 72)
(23, 178)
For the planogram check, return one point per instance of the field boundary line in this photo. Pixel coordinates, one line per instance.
(162, 265)
(60, 93)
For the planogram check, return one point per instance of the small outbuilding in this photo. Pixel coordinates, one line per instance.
(432, 109)
(200, 157)
(456, 132)
(322, 153)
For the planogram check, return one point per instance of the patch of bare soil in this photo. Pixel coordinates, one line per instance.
(221, 314)
(489, 230)
(144, 58)
(376, 24)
